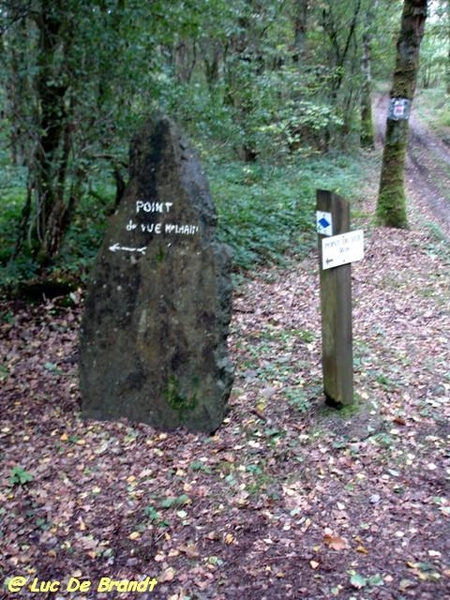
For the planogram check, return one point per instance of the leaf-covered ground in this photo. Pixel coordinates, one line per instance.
(288, 499)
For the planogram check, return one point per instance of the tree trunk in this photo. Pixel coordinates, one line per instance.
(391, 206)
(447, 74)
(212, 51)
(342, 53)
(17, 102)
(367, 136)
(46, 212)
(300, 30)
(184, 59)
(242, 65)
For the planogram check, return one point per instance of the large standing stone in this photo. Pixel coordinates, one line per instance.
(153, 343)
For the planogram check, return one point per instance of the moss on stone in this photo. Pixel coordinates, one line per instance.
(178, 401)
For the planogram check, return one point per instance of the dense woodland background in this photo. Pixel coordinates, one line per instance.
(276, 96)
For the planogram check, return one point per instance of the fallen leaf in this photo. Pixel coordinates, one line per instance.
(190, 550)
(167, 575)
(357, 581)
(335, 542)
(159, 557)
(405, 584)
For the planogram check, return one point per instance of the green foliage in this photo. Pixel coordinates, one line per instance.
(267, 211)
(73, 263)
(434, 107)
(266, 215)
(226, 71)
(359, 581)
(154, 517)
(263, 213)
(175, 501)
(434, 67)
(12, 194)
(86, 233)
(19, 476)
(298, 399)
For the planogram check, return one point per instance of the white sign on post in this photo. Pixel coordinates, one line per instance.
(341, 249)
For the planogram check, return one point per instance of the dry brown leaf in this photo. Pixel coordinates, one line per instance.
(335, 542)
(190, 550)
(167, 575)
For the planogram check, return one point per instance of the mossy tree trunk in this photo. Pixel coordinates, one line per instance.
(391, 206)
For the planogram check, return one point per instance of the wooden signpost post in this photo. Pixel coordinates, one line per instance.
(338, 247)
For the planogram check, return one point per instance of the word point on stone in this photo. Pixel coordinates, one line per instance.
(153, 341)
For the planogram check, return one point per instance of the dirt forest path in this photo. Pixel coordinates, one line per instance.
(427, 168)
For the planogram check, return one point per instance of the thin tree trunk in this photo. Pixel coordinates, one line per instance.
(212, 52)
(57, 219)
(391, 206)
(300, 30)
(448, 52)
(17, 97)
(367, 135)
(448, 72)
(240, 69)
(339, 55)
(184, 59)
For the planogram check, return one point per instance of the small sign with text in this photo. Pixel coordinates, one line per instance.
(341, 249)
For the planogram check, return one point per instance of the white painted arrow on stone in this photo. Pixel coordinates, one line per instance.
(117, 247)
